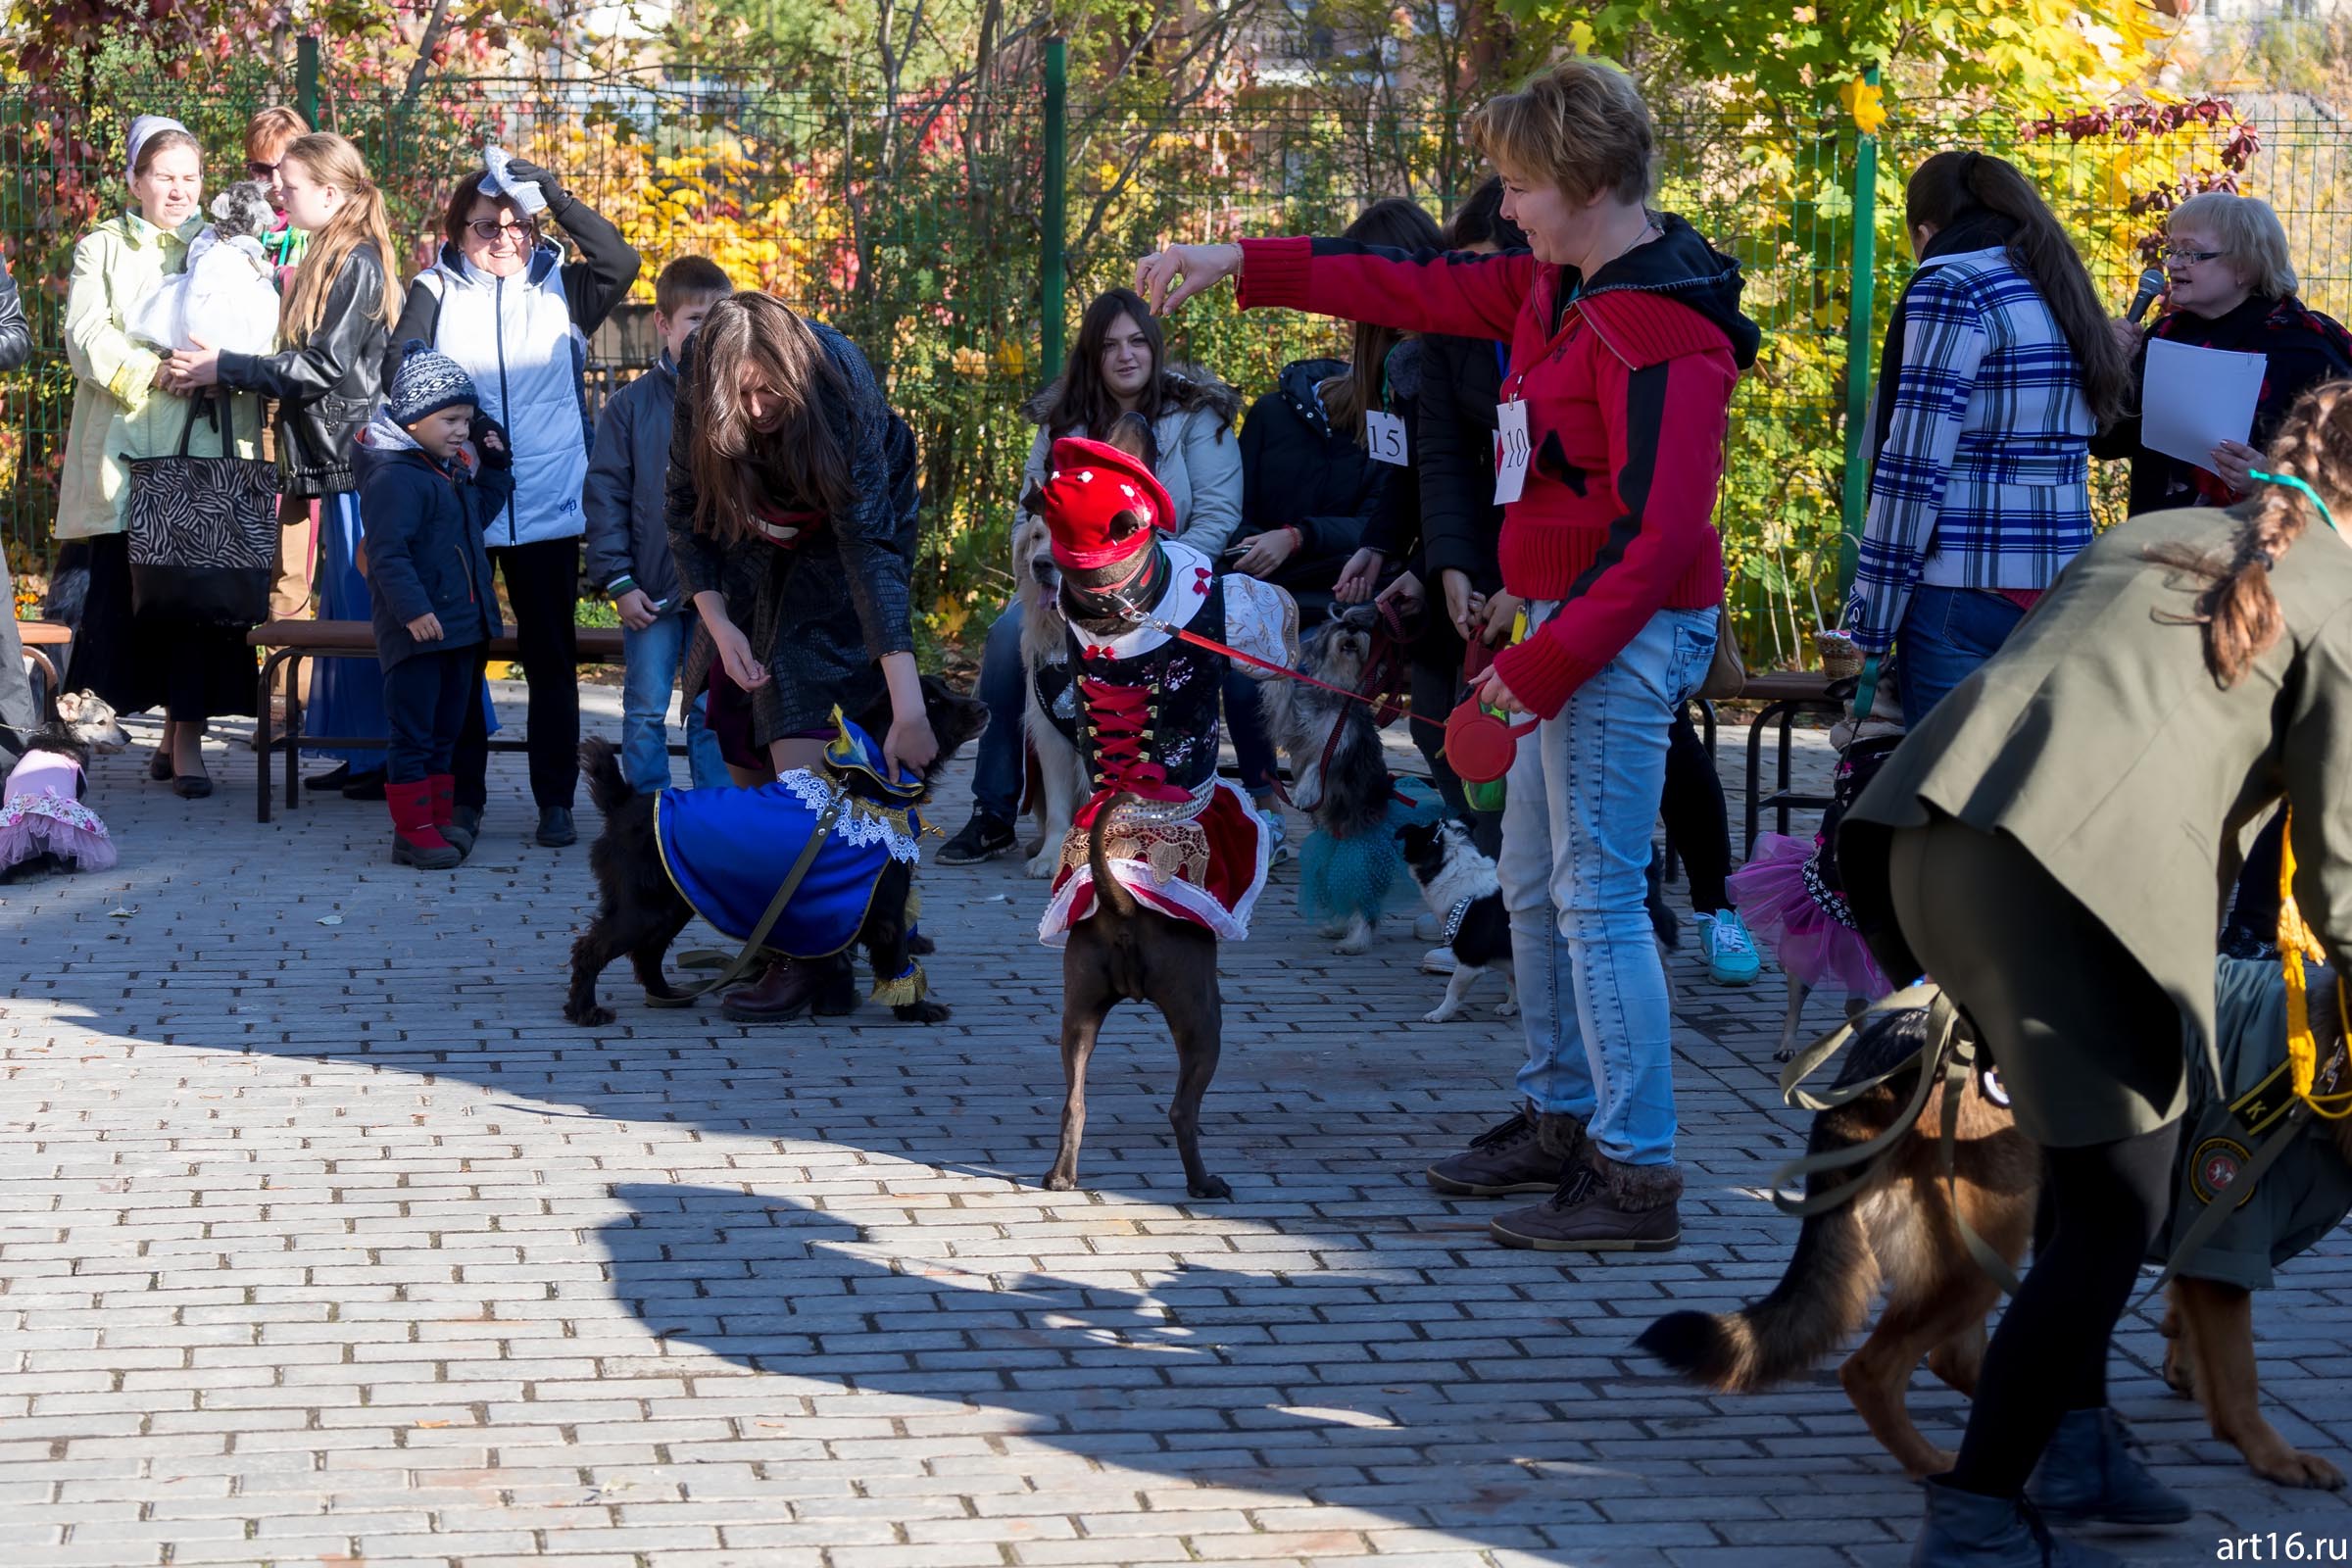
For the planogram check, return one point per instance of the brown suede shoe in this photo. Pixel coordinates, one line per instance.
(785, 990)
(1529, 1154)
(1601, 1207)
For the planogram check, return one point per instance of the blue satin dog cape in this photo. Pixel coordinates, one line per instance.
(728, 850)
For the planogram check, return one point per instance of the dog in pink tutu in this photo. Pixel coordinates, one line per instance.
(43, 824)
(1793, 902)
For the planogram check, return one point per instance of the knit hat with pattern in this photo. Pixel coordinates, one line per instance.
(426, 383)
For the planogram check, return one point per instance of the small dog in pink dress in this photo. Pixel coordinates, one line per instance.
(43, 825)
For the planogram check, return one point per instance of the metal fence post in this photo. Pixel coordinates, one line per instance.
(1055, 213)
(1855, 502)
(306, 79)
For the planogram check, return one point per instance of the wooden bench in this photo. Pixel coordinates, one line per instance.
(38, 635)
(1784, 694)
(287, 643)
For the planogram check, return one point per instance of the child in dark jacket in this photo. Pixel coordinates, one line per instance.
(629, 539)
(432, 475)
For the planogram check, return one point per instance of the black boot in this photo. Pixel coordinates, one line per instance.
(1529, 1154)
(786, 990)
(1966, 1531)
(2089, 1475)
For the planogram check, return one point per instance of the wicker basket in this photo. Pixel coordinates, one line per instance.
(1840, 659)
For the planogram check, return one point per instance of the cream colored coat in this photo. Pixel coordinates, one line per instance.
(118, 413)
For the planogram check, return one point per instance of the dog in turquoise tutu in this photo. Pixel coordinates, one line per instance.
(1350, 868)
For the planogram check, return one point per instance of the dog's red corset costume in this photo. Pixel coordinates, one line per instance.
(1184, 842)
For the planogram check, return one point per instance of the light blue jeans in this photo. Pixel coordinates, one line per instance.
(651, 659)
(1580, 797)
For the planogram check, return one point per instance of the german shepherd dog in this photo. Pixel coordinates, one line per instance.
(1900, 1232)
(640, 914)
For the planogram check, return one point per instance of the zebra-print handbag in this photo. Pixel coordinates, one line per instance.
(204, 530)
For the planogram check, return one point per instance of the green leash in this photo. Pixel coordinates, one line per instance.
(756, 941)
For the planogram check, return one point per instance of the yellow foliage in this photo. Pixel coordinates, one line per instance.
(1865, 103)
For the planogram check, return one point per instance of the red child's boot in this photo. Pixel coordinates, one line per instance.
(414, 840)
(445, 813)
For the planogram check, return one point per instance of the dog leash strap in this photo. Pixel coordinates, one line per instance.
(1810, 1060)
(1806, 1167)
(757, 941)
(1216, 647)
(1959, 1067)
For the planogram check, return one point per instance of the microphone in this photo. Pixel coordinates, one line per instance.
(2151, 284)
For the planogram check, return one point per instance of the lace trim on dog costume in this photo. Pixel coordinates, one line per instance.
(1165, 835)
(862, 823)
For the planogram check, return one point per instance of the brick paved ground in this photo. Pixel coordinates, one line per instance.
(326, 1240)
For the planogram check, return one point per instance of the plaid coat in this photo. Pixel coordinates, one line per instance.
(1983, 479)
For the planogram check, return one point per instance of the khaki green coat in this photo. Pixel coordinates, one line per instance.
(117, 414)
(2099, 741)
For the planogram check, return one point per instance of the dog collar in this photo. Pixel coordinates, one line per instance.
(1457, 915)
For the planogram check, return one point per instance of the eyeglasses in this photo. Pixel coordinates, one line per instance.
(2189, 258)
(261, 171)
(523, 232)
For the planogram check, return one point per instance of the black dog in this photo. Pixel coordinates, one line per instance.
(639, 912)
(1124, 952)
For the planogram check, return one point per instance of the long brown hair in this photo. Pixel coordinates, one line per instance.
(794, 456)
(1079, 401)
(1949, 183)
(1401, 225)
(331, 161)
(2239, 609)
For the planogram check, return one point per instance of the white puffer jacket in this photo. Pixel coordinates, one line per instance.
(517, 338)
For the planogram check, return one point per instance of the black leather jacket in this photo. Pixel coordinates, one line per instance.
(327, 389)
(16, 338)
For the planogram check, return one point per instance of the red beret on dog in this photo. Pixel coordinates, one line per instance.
(1090, 484)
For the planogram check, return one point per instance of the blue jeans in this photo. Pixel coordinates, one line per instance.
(1946, 634)
(1000, 759)
(1580, 800)
(651, 659)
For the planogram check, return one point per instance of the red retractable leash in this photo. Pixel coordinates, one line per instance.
(1479, 747)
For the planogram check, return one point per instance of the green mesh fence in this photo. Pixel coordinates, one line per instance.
(915, 227)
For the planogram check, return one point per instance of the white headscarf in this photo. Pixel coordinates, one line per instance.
(141, 129)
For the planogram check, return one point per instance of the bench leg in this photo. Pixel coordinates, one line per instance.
(294, 716)
(260, 740)
(1755, 775)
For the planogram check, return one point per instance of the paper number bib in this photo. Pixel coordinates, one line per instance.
(1383, 438)
(1510, 452)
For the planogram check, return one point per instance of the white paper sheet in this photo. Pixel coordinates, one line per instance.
(2192, 399)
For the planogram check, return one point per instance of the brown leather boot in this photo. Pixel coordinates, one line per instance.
(1602, 1207)
(1529, 1154)
(785, 990)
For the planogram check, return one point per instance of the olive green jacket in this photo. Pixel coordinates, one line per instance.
(2098, 740)
(119, 415)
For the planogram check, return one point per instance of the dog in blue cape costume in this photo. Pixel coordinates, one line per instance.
(728, 850)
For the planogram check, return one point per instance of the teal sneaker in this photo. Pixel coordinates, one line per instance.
(1731, 952)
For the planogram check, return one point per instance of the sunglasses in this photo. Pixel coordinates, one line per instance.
(523, 232)
(2189, 258)
(261, 171)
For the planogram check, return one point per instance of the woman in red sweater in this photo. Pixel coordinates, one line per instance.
(1626, 341)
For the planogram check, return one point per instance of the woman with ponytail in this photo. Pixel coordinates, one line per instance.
(2051, 845)
(327, 380)
(1999, 368)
